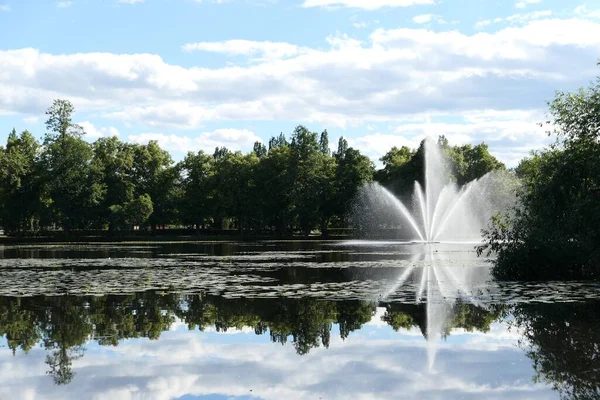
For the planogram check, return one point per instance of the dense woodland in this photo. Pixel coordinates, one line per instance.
(294, 185)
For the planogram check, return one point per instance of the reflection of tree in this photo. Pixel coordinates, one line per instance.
(352, 315)
(307, 321)
(563, 341)
(18, 324)
(64, 324)
(461, 315)
(60, 362)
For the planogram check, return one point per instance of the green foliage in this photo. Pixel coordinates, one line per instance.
(260, 149)
(155, 175)
(293, 186)
(20, 190)
(403, 166)
(70, 181)
(113, 162)
(463, 315)
(139, 210)
(59, 123)
(555, 231)
(562, 340)
(197, 176)
(472, 162)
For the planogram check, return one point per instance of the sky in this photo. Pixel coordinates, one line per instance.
(196, 74)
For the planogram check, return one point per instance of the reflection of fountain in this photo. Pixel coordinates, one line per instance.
(440, 286)
(442, 211)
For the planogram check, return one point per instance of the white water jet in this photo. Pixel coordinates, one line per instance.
(441, 210)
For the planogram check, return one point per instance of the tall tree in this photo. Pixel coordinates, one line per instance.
(260, 149)
(275, 185)
(113, 161)
(156, 176)
(196, 174)
(235, 184)
(20, 192)
(306, 163)
(324, 143)
(71, 182)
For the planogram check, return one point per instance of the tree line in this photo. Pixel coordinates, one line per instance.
(292, 185)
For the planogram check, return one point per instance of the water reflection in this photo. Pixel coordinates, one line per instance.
(431, 328)
(65, 324)
(561, 339)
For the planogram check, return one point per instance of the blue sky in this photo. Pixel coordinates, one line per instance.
(199, 74)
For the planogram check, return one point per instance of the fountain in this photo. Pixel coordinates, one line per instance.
(441, 211)
(442, 215)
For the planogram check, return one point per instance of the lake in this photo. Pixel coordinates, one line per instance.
(293, 320)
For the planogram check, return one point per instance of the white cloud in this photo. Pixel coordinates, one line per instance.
(510, 134)
(130, 1)
(583, 11)
(364, 366)
(423, 18)
(364, 4)
(390, 75)
(64, 4)
(427, 18)
(91, 132)
(233, 139)
(524, 3)
(264, 50)
(515, 19)
(4, 8)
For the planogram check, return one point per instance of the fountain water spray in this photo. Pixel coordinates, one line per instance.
(442, 211)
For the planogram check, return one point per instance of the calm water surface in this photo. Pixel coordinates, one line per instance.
(288, 320)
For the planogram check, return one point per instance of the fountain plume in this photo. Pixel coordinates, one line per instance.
(441, 210)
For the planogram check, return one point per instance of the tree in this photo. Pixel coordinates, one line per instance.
(477, 162)
(72, 184)
(20, 192)
(260, 149)
(113, 162)
(59, 123)
(306, 162)
(234, 187)
(155, 175)
(401, 168)
(353, 171)
(554, 233)
(342, 147)
(278, 141)
(138, 211)
(275, 186)
(196, 174)
(324, 143)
